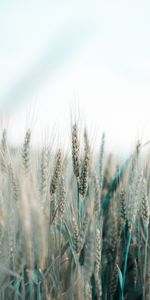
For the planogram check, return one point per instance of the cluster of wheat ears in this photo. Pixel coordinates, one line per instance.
(69, 229)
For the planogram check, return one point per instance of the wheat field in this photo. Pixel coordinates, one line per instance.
(73, 226)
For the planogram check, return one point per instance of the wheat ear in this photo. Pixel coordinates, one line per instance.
(26, 152)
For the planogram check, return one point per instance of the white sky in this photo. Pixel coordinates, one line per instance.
(56, 55)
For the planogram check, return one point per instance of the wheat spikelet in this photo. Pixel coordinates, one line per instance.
(26, 152)
(62, 200)
(98, 250)
(54, 185)
(86, 142)
(114, 281)
(75, 235)
(145, 204)
(56, 173)
(44, 172)
(114, 230)
(75, 151)
(85, 170)
(13, 183)
(12, 216)
(4, 151)
(132, 200)
(4, 141)
(132, 189)
(133, 167)
(122, 206)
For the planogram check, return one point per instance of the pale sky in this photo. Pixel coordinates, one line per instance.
(57, 55)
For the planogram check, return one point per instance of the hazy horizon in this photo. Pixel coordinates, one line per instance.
(55, 56)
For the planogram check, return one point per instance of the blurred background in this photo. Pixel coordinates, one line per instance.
(89, 59)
